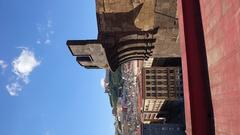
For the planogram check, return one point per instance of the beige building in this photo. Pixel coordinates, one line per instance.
(160, 84)
(150, 110)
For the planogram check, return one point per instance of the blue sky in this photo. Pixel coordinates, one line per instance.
(43, 91)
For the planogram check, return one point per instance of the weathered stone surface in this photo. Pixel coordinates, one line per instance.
(128, 15)
(125, 15)
(167, 44)
(95, 51)
(129, 30)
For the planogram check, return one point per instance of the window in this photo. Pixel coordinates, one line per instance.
(148, 83)
(148, 94)
(159, 71)
(162, 77)
(147, 71)
(162, 71)
(162, 95)
(92, 67)
(162, 82)
(153, 77)
(147, 77)
(163, 88)
(154, 116)
(172, 83)
(148, 116)
(148, 88)
(84, 58)
(171, 88)
(154, 94)
(171, 71)
(153, 71)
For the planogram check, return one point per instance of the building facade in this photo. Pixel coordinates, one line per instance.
(125, 33)
(162, 129)
(160, 85)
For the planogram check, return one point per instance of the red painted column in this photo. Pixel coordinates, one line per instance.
(185, 71)
(195, 75)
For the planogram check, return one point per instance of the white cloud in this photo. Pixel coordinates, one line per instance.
(25, 64)
(14, 88)
(51, 32)
(47, 41)
(49, 23)
(102, 82)
(45, 32)
(39, 28)
(38, 42)
(22, 66)
(3, 65)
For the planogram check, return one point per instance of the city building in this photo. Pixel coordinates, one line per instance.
(160, 85)
(106, 82)
(162, 129)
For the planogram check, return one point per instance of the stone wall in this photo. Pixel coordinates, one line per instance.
(125, 15)
(167, 44)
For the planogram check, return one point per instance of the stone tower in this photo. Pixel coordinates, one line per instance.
(126, 32)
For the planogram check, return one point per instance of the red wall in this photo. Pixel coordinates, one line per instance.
(221, 24)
